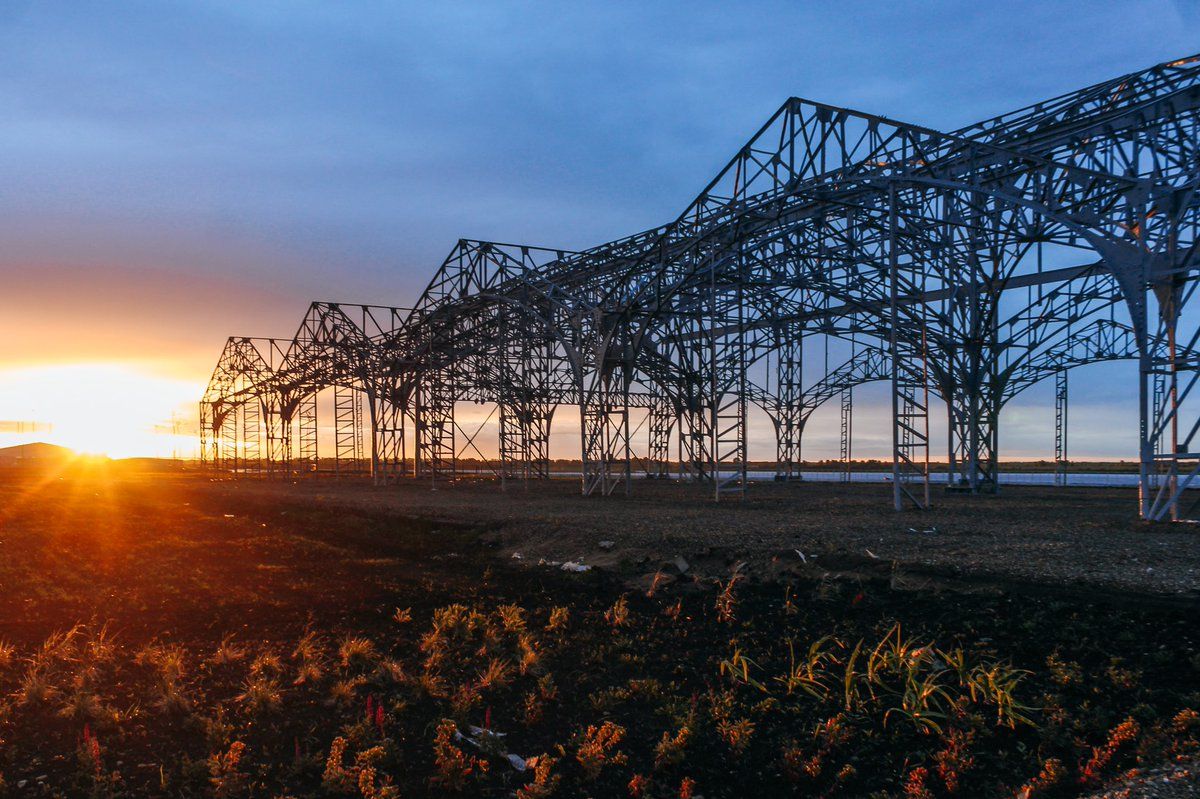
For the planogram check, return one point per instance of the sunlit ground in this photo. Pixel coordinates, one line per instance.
(114, 409)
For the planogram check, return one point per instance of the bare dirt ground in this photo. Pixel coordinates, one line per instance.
(178, 636)
(1084, 537)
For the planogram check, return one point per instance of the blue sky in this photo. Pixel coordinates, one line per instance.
(171, 173)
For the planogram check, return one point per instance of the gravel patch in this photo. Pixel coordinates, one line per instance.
(1172, 781)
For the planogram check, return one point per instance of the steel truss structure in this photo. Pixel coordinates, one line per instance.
(964, 266)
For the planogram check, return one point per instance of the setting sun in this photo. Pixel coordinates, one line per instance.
(110, 409)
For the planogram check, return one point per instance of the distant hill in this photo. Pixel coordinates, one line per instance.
(36, 453)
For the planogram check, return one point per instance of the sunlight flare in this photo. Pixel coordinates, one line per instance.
(114, 409)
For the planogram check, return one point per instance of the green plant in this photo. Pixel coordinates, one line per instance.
(737, 669)
(809, 675)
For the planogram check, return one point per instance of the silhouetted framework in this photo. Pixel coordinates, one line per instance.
(959, 268)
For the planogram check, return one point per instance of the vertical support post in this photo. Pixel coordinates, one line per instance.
(789, 401)
(347, 447)
(847, 429)
(726, 386)
(436, 448)
(229, 438)
(204, 434)
(306, 415)
(910, 384)
(1060, 427)
(658, 456)
(389, 436)
(251, 413)
(277, 454)
(604, 412)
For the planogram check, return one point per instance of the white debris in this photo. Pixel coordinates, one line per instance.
(229, 516)
(801, 554)
(492, 741)
(872, 555)
(607, 545)
(573, 566)
(518, 556)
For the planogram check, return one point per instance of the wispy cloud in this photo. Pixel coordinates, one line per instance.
(176, 172)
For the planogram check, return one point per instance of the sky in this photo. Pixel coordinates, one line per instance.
(174, 173)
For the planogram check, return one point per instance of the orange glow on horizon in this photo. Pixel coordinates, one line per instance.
(116, 409)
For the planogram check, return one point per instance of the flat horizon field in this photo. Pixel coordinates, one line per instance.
(170, 635)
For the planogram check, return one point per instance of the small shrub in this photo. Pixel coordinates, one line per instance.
(559, 619)
(670, 751)
(1052, 773)
(736, 733)
(598, 748)
(454, 769)
(512, 618)
(618, 614)
(544, 783)
(225, 773)
(362, 777)
(1120, 735)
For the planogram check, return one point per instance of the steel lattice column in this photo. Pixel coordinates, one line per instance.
(306, 420)
(1060, 427)
(847, 433)
(910, 376)
(790, 416)
(436, 449)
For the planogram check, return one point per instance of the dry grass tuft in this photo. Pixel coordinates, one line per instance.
(357, 652)
(227, 652)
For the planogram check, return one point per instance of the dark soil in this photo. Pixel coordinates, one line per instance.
(1089, 537)
(1088, 686)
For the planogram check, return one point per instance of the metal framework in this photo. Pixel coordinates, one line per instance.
(961, 267)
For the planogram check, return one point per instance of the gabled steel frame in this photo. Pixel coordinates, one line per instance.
(966, 265)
